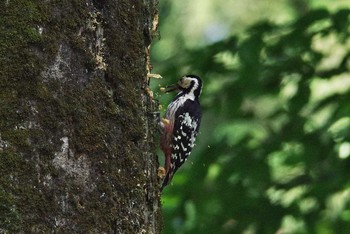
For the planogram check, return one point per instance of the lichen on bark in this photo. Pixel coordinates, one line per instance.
(76, 142)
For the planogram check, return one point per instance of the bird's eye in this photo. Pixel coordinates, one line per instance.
(186, 83)
(183, 82)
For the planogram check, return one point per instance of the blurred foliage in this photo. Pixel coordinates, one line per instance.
(273, 154)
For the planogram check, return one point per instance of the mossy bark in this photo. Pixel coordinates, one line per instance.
(76, 140)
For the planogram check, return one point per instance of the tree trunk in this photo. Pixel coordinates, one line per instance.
(76, 140)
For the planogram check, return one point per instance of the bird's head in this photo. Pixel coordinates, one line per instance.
(189, 84)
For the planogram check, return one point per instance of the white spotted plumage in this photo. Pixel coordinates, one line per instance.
(184, 115)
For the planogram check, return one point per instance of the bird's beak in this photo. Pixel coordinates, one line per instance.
(171, 88)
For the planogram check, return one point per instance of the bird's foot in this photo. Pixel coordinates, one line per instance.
(161, 172)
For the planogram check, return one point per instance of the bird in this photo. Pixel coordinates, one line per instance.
(180, 124)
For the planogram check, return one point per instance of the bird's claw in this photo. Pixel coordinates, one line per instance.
(161, 172)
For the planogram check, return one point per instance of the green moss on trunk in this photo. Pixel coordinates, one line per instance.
(76, 144)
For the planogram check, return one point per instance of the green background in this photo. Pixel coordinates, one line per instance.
(273, 151)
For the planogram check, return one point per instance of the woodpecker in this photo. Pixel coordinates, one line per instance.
(180, 124)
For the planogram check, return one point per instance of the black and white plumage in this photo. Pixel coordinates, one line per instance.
(181, 124)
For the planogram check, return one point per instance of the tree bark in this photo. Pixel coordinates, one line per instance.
(76, 140)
